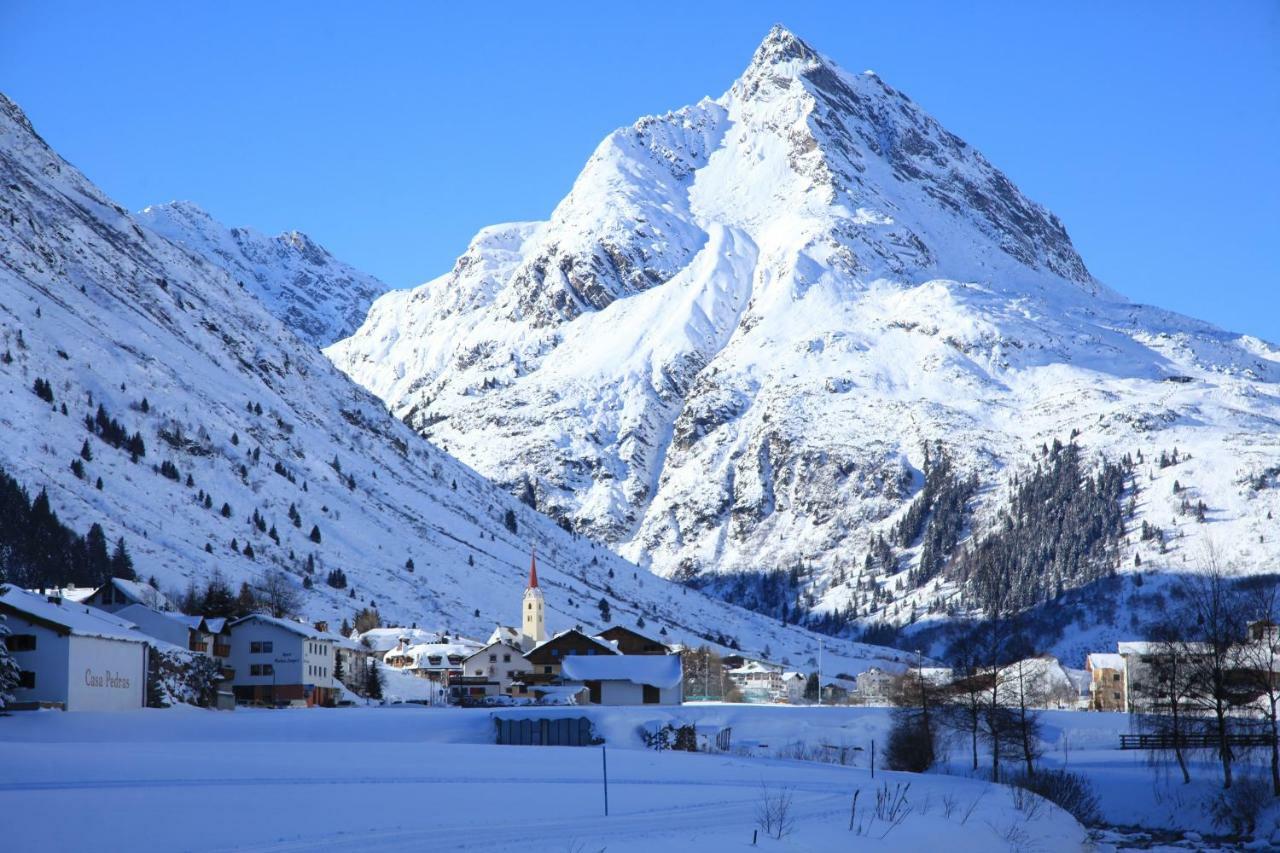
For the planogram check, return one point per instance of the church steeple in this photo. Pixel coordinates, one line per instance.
(534, 622)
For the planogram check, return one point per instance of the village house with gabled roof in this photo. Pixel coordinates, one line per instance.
(281, 662)
(118, 593)
(73, 657)
(629, 642)
(627, 679)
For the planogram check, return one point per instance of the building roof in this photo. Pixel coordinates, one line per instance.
(419, 652)
(138, 592)
(78, 619)
(753, 666)
(512, 647)
(533, 570)
(302, 629)
(505, 634)
(654, 670)
(1105, 660)
(383, 640)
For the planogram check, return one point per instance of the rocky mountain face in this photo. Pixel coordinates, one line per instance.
(147, 391)
(730, 345)
(319, 297)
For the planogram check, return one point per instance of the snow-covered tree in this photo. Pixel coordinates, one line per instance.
(9, 672)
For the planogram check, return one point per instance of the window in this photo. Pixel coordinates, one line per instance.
(260, 648)
(1115, 696)
(493, 658)
(268, 669)
(546, 669)
(1115, 677)
(21, 642)
(506, 658)
(255, 669)
(27, 679)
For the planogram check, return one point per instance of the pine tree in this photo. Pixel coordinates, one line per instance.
(86, 452)
(315, 533)
(373, 680)
(9, 672)
(122, 563)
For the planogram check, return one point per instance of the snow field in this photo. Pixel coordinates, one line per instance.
(390, 779)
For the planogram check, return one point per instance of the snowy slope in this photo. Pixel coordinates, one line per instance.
(111, 314)
(727, 346)
(313, 293)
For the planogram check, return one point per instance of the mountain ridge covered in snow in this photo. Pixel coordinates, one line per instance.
(316, 295)
(728, 348)
(256, 454)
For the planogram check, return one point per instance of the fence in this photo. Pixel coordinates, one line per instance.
(1199, 740)
(546, 731)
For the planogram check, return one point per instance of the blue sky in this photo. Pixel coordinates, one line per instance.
(1150, 128)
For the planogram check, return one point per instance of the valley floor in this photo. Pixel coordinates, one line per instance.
(415, 778)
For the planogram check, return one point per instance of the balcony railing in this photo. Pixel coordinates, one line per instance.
(198, 647)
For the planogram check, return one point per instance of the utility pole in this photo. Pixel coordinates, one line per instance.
(820, 643)
(604, 765)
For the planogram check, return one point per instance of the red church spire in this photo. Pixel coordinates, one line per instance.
(533, 570)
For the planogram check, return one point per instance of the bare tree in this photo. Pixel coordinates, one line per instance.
(1024, 692)
(277, 593)
(1161, 686)
(1259, 660)
(1217, 611)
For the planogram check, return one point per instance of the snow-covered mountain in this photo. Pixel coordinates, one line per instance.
(236, 410)
(728, 346)
(318, 296)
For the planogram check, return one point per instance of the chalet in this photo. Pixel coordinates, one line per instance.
(627, 679)
(279, 662)
(382, 640)
(758, 681)
(1106, 681)
(793, 684)
(548, 657)
(436, 661)
(119, 593)
(73, 657)
(630, 642)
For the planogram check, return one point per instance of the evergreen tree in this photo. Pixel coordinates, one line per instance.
(373, 680)
(315, 533)
(9, 672)
(86, 452)
(99, 561)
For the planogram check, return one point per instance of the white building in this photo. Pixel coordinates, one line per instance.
(435, 661)
(492, 670)
(277, 661)
(793, 684)
(873, 685)
(627, 679)
(72, 656)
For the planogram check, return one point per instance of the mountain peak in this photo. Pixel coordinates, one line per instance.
(781, 46)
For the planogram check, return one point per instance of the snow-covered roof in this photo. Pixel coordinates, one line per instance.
(1145, 647)
(655, 670)
(142, 593)
(505, 633)
(511, 647)
(419, 654)
(1106, 660)
(385, 639)
(302, 629)
(753, 666)
(78, 619)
